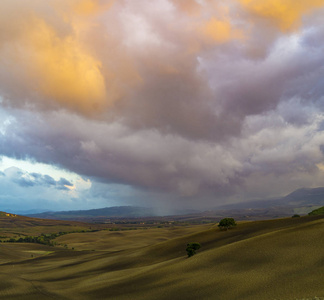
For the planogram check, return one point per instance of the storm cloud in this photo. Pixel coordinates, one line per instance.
(194, 102)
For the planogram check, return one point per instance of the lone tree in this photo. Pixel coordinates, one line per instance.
(191, 248)
(296, 216)
(226, 223)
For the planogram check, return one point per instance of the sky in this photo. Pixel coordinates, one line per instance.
(168, 103)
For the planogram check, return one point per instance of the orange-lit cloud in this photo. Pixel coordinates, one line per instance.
(286, 14)
(82, 7)
(220, 31)
(66, 73)
(55, 63)
(190, 7)
(86, 7)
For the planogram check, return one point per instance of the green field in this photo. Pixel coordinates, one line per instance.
(273, 259)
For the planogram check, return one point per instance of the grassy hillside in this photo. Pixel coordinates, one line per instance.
(274, 259)
(319, 211)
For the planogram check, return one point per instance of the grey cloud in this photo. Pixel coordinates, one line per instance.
(48, 180)
(322, 148)
(45, 180)
(248, 87)
(24, 182)
(63, 184)
(36, 175)
(19, 177)
(171, 164)
(125, 156)
(193, 119)
(62, 188)
(63, 181)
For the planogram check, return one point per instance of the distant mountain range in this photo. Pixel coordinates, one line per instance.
(299, 198)
(301, 201)
(110, 212)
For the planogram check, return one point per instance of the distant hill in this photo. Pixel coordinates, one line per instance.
(299, 198)
(107, 212)
(9, 220)
(306, 196)
(301, 201)
(15, 226)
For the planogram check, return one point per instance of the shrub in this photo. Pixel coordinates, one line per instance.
(191, 248)
(296, 216)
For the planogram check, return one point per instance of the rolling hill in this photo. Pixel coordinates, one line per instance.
(272, 259)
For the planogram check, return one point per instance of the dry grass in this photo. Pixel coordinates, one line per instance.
(277, 259)
(122, 240)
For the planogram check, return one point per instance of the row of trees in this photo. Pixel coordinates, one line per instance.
(44, 238)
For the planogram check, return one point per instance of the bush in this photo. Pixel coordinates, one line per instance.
(296, 216)
(226, 223)
(191, 248)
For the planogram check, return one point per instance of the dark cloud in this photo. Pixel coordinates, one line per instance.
(24, 182)
(169, 163)
(63, 181)
(48, 180)
(36, 175)
(63, 184)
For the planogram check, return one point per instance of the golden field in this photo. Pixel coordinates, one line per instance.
(273, 259)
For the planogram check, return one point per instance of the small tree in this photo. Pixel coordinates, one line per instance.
(191, 248)
(226, 223)
(296, 216)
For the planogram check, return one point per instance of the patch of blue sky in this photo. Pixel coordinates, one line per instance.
(35, 167)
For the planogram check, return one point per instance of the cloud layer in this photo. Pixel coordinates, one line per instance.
(191, 102)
